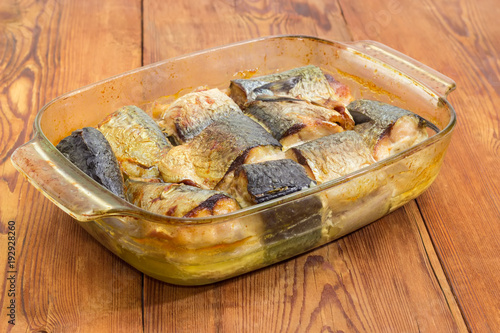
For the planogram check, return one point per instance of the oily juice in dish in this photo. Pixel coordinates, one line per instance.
(211, 153)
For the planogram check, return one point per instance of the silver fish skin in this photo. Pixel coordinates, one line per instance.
(136, 140)
(188, 115)
(332, 156)
(259, 182)
(292, 121)
(387, 129)
(307, 83)
(179, 200)
(221, 147)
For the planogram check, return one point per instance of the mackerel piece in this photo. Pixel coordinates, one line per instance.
(387, 129)
(307, 83)
(136, 140)
(179, 200)
(220, 148)
(190, 114)
(89, 150)
(255, 183)
(290, 229)
(332, 156)
(292, 121)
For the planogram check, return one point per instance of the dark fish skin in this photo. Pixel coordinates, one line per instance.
(221, 147)
(286, 239)
(307, 83)
(293, 121)
(385, 128)
(137, 141)
(89, 150)
(332, 156)
(179, 200)
(382, 113)
(259, 182)
(188, 115)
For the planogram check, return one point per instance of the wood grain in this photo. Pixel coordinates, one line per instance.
(177, 28)
(378, 279)
(461, 210)
(66, 281)
(425, 267)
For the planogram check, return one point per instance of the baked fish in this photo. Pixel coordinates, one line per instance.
(252, 184)
(179, 200)
(178, 240)
(307, 83)
(188, 115)
(387, 129)
(136, 140)
(292, 121)
(89, 150)
(332, 156)
(220, 148)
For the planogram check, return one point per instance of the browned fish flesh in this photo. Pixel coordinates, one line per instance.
(387, 129)
(188, 115)
(259, 182)
(307, 83)
(292, 121)
(136, 140)
(221, 147)
(179, 200)
(332, 156)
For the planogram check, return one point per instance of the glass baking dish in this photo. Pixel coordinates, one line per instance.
(199, 251)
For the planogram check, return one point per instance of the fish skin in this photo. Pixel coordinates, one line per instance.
(332, 156)
(259, 182)
(307, 83)
(89, 150)
(179, 200)
(293, 228)
(379, 123)
(221, 147)
(136, 140)
(188, 115)
(293, 121)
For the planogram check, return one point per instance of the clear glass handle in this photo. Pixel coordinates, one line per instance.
(431, 78)
(64, 184)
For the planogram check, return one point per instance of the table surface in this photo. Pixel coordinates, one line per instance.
(433, 265)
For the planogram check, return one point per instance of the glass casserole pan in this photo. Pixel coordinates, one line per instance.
(199, 251)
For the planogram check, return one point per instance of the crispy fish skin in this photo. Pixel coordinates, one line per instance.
(188, 115)
(221, 147)
(293, 121)
(89, 150)
(136, 140)
(332, 156)
(307, 83)
(259, 182)
(387, 129)
(179, 200)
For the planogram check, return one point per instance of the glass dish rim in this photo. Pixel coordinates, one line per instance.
(248, 211)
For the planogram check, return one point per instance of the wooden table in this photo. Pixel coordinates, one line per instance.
(433, 265)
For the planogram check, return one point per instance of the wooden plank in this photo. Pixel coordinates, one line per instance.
(461, 209)
(377, 279)
(65, 280)
(172, 29)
